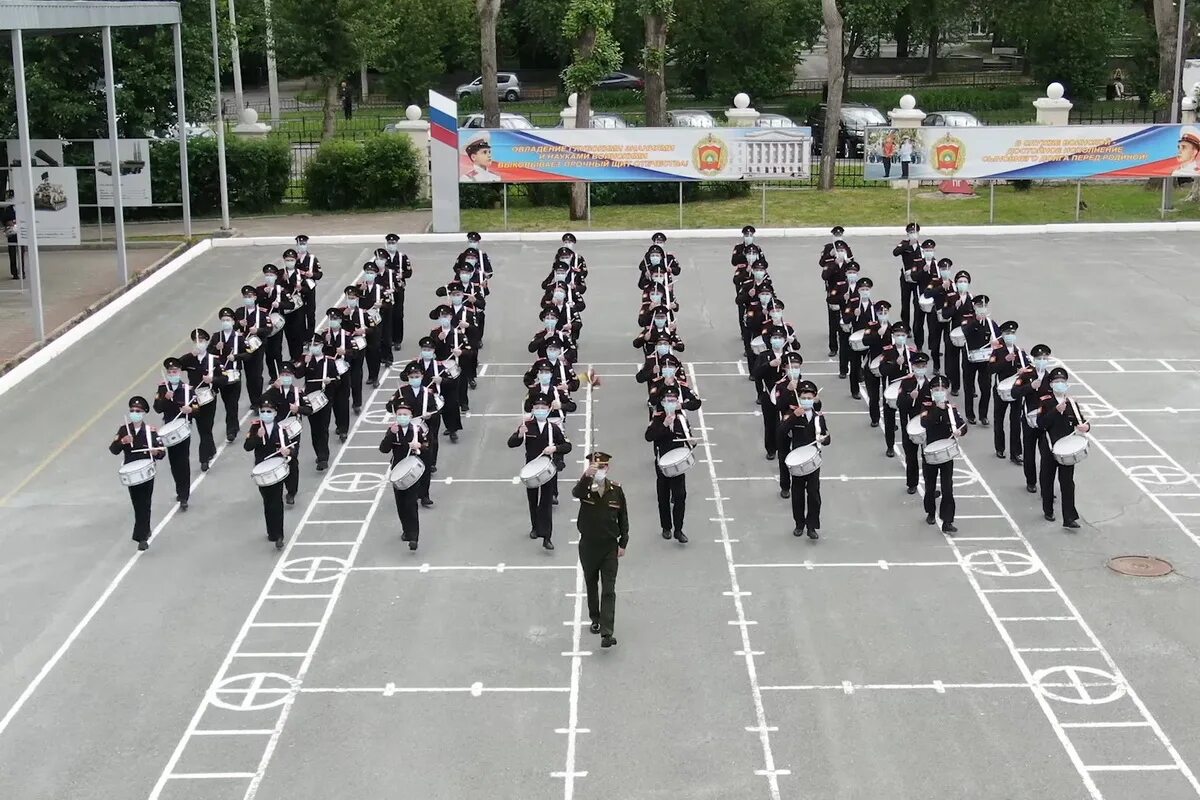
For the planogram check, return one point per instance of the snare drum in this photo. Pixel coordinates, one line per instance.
(676, 462)
(874, 365)
(175, 431)
(233, 375)
(277, 323)
(271, 471)
(253, 342)
(891, 395)
(374, 316)
(856, 341)
(757, 345)
(406, 474)
(979, 356)
(957, 337)
(135, 473)
(292, 427)
(359, 342)
(834, 306)
(342, 366)
(916, 431)
(803, 460)
(538, 472)
(1031, 418)
(316, 400)
(204, 395)
(925, 303)
(1071, 449)
(1004, 388)
(942, 451)
(451, 367)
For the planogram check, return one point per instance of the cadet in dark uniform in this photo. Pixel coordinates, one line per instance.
(405, 438)
(318, 374)
(310, 273)
(982, 333)
(204, 370)
(175, 398)
(603, 525)
(288, 398)
(909, 253)
(1031, 388)
(541, 437)
(401, 269)
(253, 320)
(804, 426)
(940, 421)
(267, 440)
(1006, 361)
(669, 430)
(1059, 416)
(136, 441)
(426, 406)
(914, 398)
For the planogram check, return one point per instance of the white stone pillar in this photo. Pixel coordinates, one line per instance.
(741, 115)
(249, 126)
(1187, 111)
(567, 115)
(1053, 109)
(417, 131)
(906, 117)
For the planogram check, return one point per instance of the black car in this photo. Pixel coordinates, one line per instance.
(852, 132)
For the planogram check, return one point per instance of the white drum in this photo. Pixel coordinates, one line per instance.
(137, 472)
(374, 316)
(342, 366)
(803, 460)
(942, 451)
(406, 474)
(297, 301)
(957, 337)
(233, 375)
(846, 327)
(1004, 388)
(1031, 417)
(856, 341)
(538, 472)
(757, 345)
(451, 367)
(925, 303)
(1071, 449)
(676, 462)
(316, 400)
(271, 471)
(175, 431)
(979, 356)
(359, 342)
(204, 395)
(891, 395)
(253, 342)
(916, 431)
(277, 323)
(292, 427)
(834, 306)
(874, 365)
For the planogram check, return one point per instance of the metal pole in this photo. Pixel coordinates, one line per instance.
(110, 96)
(681, 205)
(908, 200)
(764, 204)
(185, 193)
(589, 203)
(505, 185)
(31, 244)
(1176, 91)
(991, 202)
(1078, 198)
(272, 70)
(223, 176)
(99, 220)
(235, 55)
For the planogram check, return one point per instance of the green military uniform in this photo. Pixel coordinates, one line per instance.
(603, 528)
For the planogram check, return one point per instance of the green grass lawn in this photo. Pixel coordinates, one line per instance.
(854, 207)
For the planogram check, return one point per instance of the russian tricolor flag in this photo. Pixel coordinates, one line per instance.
(443, 120)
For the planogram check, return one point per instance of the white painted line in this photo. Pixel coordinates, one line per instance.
(1058, 649)
(1132, 724)
(1116, 366)
(1132, 768)
(979, 516)
(325, 544)
(986, 538)
(475, 689)
(1167, 364)
(270, 655)
(1018, 591)
(208, 776)
(1037, 619)
(458, 568)
(852, 564)
(284, 624)
(234, 732)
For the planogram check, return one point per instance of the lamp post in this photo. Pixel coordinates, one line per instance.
(1176, 80)
(222, 174)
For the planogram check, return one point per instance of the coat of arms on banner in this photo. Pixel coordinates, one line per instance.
(949, 155)
(710, 155)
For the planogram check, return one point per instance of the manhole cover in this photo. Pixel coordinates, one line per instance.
(1141, 566)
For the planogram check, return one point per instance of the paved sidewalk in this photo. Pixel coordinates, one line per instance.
(281, 225)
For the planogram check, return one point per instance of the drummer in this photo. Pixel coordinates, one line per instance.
(440, 344)
(894, 363)
(1005, 362)
(137, 442)
(435, 378)
(1032, 388)
(909, 253)
(426, 408)
(923, 273)
(578, 263)
(982, 334)
(407, 437)
(777, 324)
(319, 375)
(914, 397)
(672, 377)
(204, 374)
(1060, 417)
(176, 399)
(543, 386)
(336, 339)
(356, 322)
(550, 332)
(941, 422)
(229, 347)
(267, 440)
(937, 289)
(652, 366)
(958, 308)
(769, 370)
(833, 275)
(541, 437)
(757, 302)
(740, 256)
(253, 320)
(371, 305)
(400, 269)
(272, 300)
(877, 335)
(804, 427)
(652, 300)
(310, 270)
(294, 328)
(287, 397)
(562, 371)
(386, 285)
(857, 313)
(670, 430)
(658, 328)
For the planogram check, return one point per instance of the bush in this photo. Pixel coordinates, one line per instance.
(259, 170)
(373, 173)
(970, 99)
(480, 195)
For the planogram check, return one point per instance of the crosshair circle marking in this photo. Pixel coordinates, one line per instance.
(1002, 563)
(1086, 686)
(1158, 474)
(252, 692)
(319, 569)
(355, 482)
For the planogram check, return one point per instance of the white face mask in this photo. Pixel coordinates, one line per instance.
(427, 354)
(777, 317)
(200, 348)
(600, 475)
(544, 379)
(793, 372)
(900, 341)
(668, 372)
(380, 262)
(663, 349)
(403, 419)
(316, 350)
(1041, 363)
(391, 248)
(981, 311)
(552, 355)
(1060, 387)
(1010, 339)
(938, 396)
(841, 256)
(655, 259)
(747, 240)
(445, 323)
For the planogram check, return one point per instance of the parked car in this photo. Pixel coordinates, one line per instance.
(774, 121)
(515, 122)
(852, 127)
(507, 83)
(690, 118)
(605, 121)
(952, 119)
(621, 80)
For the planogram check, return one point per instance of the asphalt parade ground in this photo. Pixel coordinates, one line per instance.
(885, 660)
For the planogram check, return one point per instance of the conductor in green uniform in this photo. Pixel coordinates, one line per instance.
(603, 535)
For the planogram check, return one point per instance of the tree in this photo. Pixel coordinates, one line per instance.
(834, 33)
(1165, 16)
(487, 12)
(658, 15)
(588, 24)
(863, 21)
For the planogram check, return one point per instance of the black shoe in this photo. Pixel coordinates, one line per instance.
(453, 437)
(797, 531)
(433, 470)
(554, 501)
(204, 466)
(1048, 517)
(279, 543)
(812, 533)
(533, 534)
(342, 436)
(403, 537)
(949, 528)
(842, 376)
(785, 493)
(290, 500)
(912, 490)
(856, 395)
(890, 453)
(954, 392)
(1072, 524)
(832, 353)
(595, 628)
(937, 493)
(183, 505)
(666, 534)
(681, 537)
(1017, 459)
(1031, 489)
(412, 544)
(770, 456)
(322, 466)
(426, 502)
(929, 519)
(143, 545)
(229, 437)
(547, 544)
(373, 383)
(972, 421)
(472, 384)
(357, 410)
(396, 346)
(608, 641)
(983, 423)
(1000, 454)
(874, 423)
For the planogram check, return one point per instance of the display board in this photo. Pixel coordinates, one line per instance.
(134, 166)
(55, 203)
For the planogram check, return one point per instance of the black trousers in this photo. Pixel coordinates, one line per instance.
(952, 361)
(292, 481)
(942, 474)
(272, 497)
(274, 354)
(430, 455)
(912, 457)
(309, 311)
(204, 417)
(770, 415)
(385, 335)
(15, 267)
(179, 456)
(231, 395)
(873, 391)
(977, 382)
(451, 411)
(406, 509)
(889, 426)
(1011, 410)
(806, 500)
(1066, 486)
(672, 500)
(372, 356)
(469, 366)
(318, 427)
(835, 318)
(600, 580)
(356, 378)
(252, 375)
(422, 487)
(1033, 446)
(908, 303)
(747, 335)
(541, 508)
(141, 496)
(397, 336)
(850, 361)
(936, 336)
(293, 331)
(339, 399)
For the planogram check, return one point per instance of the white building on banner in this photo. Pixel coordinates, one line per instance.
(771, 153)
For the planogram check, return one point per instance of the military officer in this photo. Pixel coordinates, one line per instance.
(603, 524)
